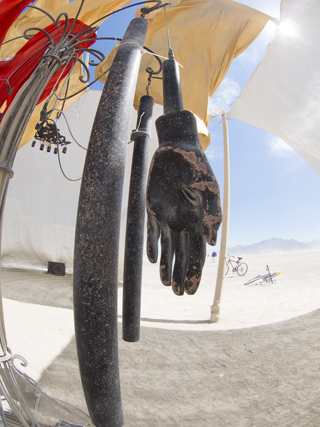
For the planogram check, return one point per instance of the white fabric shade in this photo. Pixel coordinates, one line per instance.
(282, 95)
(41, 206)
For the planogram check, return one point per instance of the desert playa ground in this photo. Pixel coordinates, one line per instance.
(258, 366)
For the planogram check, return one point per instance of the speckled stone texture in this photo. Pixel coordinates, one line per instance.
(132, 276)
(97, 235)
(172, 96)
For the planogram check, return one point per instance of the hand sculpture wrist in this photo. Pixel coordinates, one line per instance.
(178, 129)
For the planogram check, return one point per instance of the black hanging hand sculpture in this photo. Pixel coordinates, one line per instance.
(183, 203)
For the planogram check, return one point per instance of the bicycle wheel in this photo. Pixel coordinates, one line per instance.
(242, 269)
(269, 278)
(227, 269)
(255, 279)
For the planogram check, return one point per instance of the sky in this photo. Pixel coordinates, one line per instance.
(266, 176)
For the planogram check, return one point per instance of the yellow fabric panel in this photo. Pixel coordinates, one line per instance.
(91, 11)
(205, 36)
(74, 86)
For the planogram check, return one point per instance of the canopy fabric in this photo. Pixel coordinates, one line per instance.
(91, 11)
(282, 95)
(17, 70)
(206, 35)
(41, 204)
(9, 12)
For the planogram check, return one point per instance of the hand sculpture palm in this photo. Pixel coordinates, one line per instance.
(183, 203)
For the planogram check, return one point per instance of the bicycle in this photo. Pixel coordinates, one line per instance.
(268, 278)
(237, 267)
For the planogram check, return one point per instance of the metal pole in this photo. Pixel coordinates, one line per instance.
(97, 234)
(215, 308)
(132, 276)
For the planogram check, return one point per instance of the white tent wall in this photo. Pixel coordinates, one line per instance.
(282, 95)
(41, 206)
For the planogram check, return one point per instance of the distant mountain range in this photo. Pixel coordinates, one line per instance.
(275, 246)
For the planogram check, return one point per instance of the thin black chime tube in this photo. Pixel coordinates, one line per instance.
(97, 235)
(132, 276)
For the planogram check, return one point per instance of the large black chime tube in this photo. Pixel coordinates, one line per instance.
(132, 276)
(172, 95)
(97, 234)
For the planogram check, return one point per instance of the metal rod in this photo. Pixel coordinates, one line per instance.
(97, 234)
(133, 259)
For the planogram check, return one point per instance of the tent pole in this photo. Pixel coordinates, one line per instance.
(215, 308)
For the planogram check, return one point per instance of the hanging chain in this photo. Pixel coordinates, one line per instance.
(149, 82)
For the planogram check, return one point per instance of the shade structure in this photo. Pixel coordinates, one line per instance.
(90, 12)
(281, 96)
(49, 207)
(23, 60)
(9, 12)
(205, 35)
(16, 71)
(41, 205)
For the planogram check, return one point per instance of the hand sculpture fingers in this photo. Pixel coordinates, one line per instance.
(181, 245)
(197, 256)
(153, 234)
(167, 248)
(167, 251)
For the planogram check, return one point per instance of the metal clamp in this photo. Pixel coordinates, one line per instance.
(8, 170)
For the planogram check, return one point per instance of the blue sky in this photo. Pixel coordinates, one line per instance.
(273, 193)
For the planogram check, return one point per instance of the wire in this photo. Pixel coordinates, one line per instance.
(170, 54)
(64, 116)
(60, 165)
(138, 127)
(85, 88)
(61, 168)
